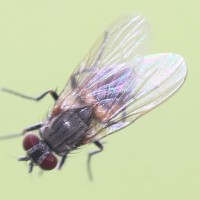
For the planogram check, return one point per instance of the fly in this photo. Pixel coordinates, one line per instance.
(113, 86)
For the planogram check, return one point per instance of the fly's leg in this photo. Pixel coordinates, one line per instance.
(101, 50)
(35, 126)
(23, 158)
(30, 167)
(30, 164)
(30, 128)
(51, 92)
(101, 147)
(63, 159)
(73, 81)
(124, 115)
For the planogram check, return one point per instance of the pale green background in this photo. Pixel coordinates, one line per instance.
(157, 158)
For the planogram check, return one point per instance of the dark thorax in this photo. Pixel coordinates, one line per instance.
(63, 133)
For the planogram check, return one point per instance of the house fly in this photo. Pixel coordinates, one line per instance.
(113, 86)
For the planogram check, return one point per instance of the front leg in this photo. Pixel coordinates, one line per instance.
(28, 129)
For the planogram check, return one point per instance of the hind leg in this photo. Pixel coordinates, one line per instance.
(101, 147)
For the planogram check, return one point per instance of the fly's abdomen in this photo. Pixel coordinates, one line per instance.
(63, 132)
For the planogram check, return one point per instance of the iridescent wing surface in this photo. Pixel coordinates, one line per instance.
(147, 85)
(118, 81)
(125, 39)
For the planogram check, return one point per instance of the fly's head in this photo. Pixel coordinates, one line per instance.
(38, 152)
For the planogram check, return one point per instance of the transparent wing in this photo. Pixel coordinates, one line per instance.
(124, 40)
(136, 89)
(118, 82)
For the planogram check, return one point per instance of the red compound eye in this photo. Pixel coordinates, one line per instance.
(30, 140)
(49, 162)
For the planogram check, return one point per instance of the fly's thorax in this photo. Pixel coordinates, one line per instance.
(39, 152)
(63, 132)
